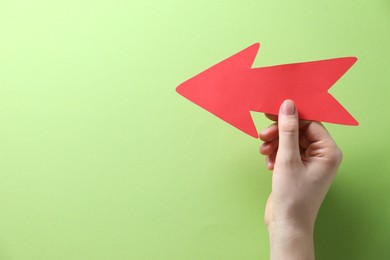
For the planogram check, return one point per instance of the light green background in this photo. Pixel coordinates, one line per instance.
(101, 159)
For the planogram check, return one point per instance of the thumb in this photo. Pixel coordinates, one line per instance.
(288, 125)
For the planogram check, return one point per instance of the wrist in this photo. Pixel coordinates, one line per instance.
(291, 241)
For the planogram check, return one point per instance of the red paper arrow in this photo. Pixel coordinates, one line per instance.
(231, 88)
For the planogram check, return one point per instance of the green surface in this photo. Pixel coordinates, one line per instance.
(101, 159)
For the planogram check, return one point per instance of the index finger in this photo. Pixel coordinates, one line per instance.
(272, 117)
(302, 123)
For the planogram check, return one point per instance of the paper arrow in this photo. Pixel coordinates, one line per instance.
(231, 89)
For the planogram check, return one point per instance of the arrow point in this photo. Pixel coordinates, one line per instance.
(217, 89)
(219, 74)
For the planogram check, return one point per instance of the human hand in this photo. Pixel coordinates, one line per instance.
(304, 159)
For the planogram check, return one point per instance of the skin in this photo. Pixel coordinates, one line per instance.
(304, 159)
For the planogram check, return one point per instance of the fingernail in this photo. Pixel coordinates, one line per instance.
(288, 108)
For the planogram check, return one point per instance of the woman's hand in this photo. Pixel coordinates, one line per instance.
(304, 159)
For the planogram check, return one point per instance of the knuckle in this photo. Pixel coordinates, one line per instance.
(289, 126)
(336, 156)
(287, 160)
